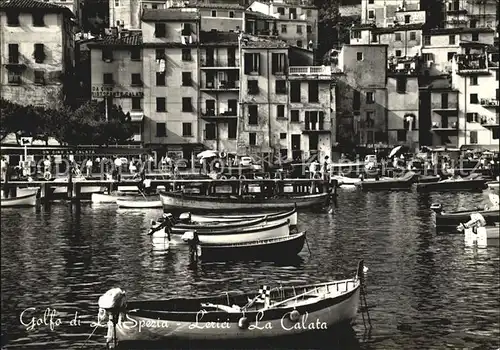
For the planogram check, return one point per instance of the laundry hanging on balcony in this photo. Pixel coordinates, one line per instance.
(160, 66)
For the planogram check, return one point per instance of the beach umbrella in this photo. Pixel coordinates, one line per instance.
(394, 151)
(207, 154)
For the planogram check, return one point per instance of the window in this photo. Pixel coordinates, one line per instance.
(473, 137)
(253, 87)
(295, 91)
(475, 37)
(355, 34)
(252, 138)
(14, 77)
(161, 103)
(397, 36)
(280, 86)
(136, 103)
(12, 18)
(252, 63)
(299, 43)
(473, 80)
(232, 128)
(370, 97)
(107, 55)
(210, 131)
(282, 135)
(160, 30)
(283, 28)
(359, 56)
(451, 55)
(186, 79)
(473, 23)
(117, 3)
(136, 79)
(380, 136)
(401, 135)
(38, 20)
(253, 115)
(299, 29)
(374, 37)
(160, 78)
(278, 63)
(186, 104)
(371, 2)
(39, 77)
(474, 99)
(313, 91)
(13, 53)
(135, 54)
(281, 11)
(39, 53)
(309, 29)
(371, 14)
(444, 100)
(356, 100)
(401, 85)
(214, 13)
(160, 54)
(495, 134)
(413, 36)
(407, 19)
(280, 111)
(472, 118)
(161, 129)
(186, 129)
(186, 29)
(370, 119)
(294, 116)
(451, 40)
(497, 73)
(231, 14)
(154, 7)
(107, 78)
(427, 39)
(186, 54)
(398, 53)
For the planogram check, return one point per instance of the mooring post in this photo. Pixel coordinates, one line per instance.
(46, 192)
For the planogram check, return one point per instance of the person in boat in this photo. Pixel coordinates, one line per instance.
(166, 221)
(193, 247)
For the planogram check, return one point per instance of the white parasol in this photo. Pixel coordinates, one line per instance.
(394, 151)
(207, 154)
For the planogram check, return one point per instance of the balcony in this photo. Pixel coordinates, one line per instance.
(446, 126)
(490, 103)
(471, 64)
(446, 110)
(403, 65)
(212, 115)
(316, 128)
(220, 64)
(490, 122)
(313, 72)
(214, 85)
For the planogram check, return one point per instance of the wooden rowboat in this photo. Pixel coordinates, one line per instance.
(266, 250)
(238, 235)
(27, 200)
(402, 183)
(175, 201)
(232, 218)
(138, 203)
(453, 185)
(269, 314)
(449, 221)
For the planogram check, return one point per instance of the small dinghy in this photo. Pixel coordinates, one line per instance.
(139, 203)
(198, 218)
(470, 184)
(476, 232)
(270, 314)
(265, 250)
(26, 200)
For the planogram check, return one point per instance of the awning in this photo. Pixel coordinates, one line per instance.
(136, 116)
(480, 148)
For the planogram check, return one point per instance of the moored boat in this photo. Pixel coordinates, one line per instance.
(401, 183)
(267, 250)
(346, 181)
(83, 190)
(27, 200)
(232, 218)
(453, 185)
(493, 184)
(270, 314)
(175, 201)
(139, 203)
(450, 220)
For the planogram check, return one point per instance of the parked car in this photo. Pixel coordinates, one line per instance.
(249, 162)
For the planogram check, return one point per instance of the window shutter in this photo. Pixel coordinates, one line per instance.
(248, 63)
(275, 63)
(258, 63)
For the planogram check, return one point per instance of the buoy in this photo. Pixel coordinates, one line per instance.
(233, 177)
(243, 323)
(294, 315)
(223, 177)
(242, 177)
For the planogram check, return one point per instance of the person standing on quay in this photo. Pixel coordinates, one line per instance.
(88, 165)
(4, 169)
(118, 168)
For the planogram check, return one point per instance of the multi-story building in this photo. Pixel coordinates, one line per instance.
(383, 13)
(222, 17)
(73, 5)
(296, 21)
(171, 80)
(37, 52)
(117, 75)
(287, 106)
(471, 13)
(127, 13)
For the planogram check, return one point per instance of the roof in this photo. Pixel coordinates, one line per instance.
(437, 31)
(258, 15)
(219, 39)
(398, 28)
(129, 40)
(169, 15)
(250, 41)
(215, 6)
(33, 5)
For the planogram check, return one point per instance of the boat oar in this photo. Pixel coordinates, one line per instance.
(140, 191)
(307, 243)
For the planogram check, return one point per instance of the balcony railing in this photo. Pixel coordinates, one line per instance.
(445, 125)
(310, 70)
(320, 127)
(406, 65)
(211, 63)
(471, 63)
(487, 121)
(490, 102)
(221, 85)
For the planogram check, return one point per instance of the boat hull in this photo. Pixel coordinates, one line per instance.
(267, 250)
(452, 220)
(459, 185)
(138, 203)
(28, 200)
(83, 190)
(403, 183)
(235, 218)
(177, 201)
(222, 326)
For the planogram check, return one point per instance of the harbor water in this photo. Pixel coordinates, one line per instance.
(424, 290)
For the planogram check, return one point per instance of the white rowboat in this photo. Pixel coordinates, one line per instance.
(28, 200)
